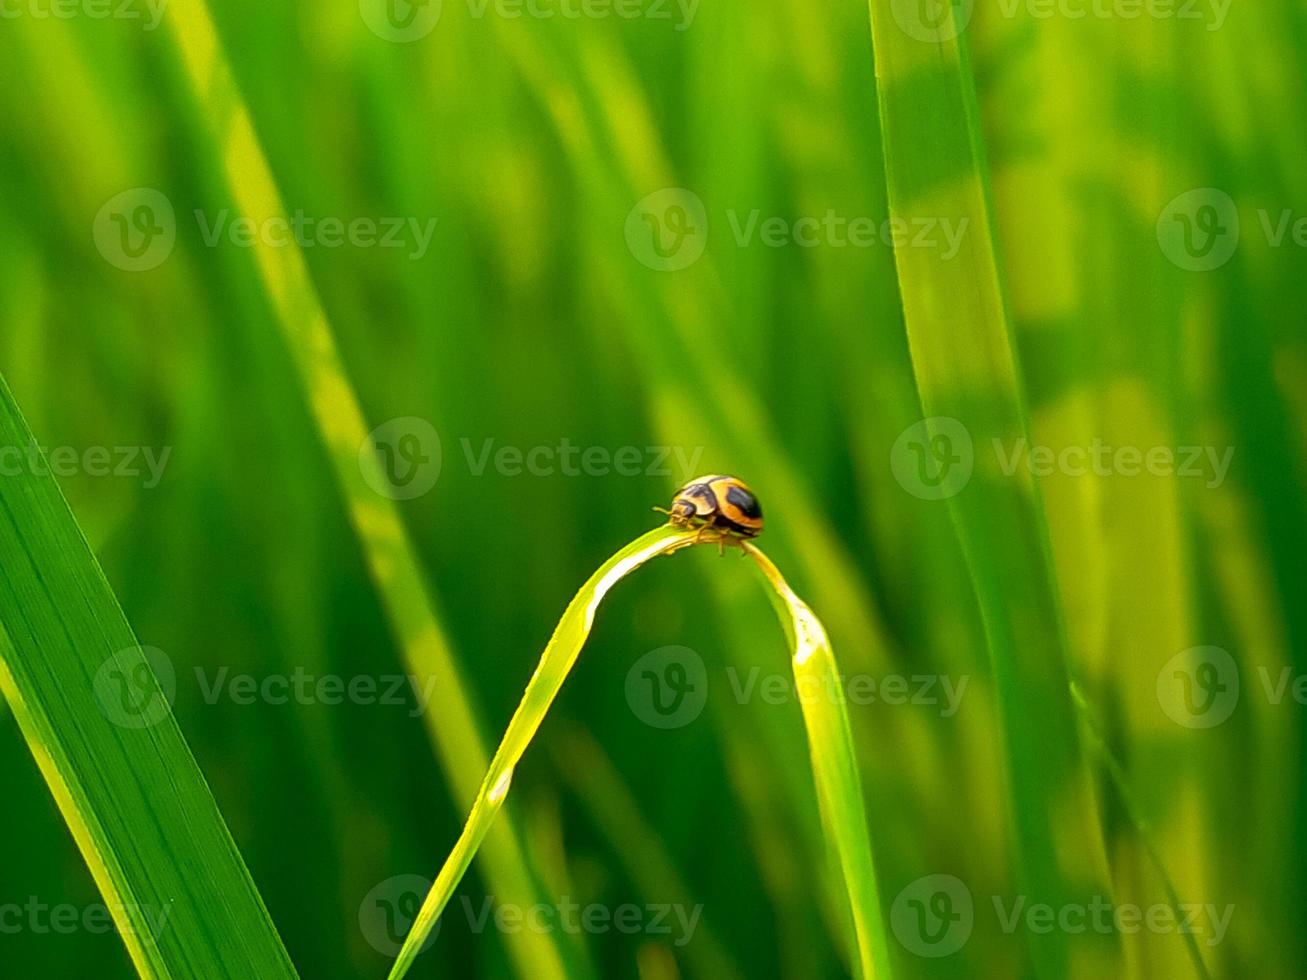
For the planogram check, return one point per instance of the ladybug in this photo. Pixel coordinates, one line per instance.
(722, 503)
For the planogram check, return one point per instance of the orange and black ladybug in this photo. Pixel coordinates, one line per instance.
(722, 503)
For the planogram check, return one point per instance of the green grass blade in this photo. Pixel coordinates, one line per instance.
(124, 779)
(555, 664)
(834, 766)
(967, 372)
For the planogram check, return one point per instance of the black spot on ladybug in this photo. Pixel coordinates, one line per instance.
(745, 501)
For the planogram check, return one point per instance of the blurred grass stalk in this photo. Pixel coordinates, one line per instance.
(396, 570)
(965, 362)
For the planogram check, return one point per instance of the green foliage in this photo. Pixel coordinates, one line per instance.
(1068, 314)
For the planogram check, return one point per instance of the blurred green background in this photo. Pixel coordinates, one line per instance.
(544, 310)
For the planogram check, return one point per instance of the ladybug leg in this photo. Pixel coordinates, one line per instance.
(708, 533)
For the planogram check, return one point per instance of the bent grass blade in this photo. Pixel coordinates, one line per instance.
(970, 382)
(555, 664)
(834, 763)
(834, 766)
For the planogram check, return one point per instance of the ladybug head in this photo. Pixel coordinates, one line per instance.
(683, 508)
